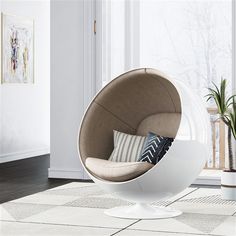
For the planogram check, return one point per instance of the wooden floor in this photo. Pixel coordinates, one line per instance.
(25, 177)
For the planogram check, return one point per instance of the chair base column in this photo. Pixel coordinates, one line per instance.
(142, 211)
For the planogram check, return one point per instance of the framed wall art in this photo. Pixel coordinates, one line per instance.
(17, 49)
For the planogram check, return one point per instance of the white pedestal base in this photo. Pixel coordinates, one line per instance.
(142, 211)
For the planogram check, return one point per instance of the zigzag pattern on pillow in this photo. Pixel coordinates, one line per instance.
(150, 151)
(155, 148)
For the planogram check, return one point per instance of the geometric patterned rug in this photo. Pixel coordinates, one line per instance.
(77, 209)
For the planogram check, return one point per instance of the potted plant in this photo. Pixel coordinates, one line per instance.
(226, 108)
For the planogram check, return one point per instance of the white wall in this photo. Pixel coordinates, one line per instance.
(67, 86)
(25, 108)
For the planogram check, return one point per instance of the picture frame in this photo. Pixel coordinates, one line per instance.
(17, 50)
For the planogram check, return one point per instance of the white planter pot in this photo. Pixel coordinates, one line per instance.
(228, 185)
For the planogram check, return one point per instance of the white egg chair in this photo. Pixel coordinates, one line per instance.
(137, 102)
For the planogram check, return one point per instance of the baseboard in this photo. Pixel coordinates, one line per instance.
(65, 173)
(13, 156)
(207, 180)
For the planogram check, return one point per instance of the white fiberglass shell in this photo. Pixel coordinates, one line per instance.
(181, 164)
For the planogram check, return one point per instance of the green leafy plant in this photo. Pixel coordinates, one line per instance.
(226, 107)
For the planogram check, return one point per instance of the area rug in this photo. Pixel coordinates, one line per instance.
(77, 209)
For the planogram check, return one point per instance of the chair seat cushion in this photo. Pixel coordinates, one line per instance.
(116, 171)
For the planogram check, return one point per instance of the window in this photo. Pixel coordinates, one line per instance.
(188, 40)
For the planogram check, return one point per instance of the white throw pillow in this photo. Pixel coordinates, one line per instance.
(127, 147)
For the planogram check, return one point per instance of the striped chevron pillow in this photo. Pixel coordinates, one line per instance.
(155, 148)
(127, 148)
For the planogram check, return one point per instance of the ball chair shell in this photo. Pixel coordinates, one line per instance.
(186, 157)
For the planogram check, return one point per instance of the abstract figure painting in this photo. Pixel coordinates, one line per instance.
(17, 50)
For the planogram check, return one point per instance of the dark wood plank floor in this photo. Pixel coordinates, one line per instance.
(24, 177)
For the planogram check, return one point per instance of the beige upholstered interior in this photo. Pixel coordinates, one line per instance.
(116, 171)
(165, 124)
(136, 102)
